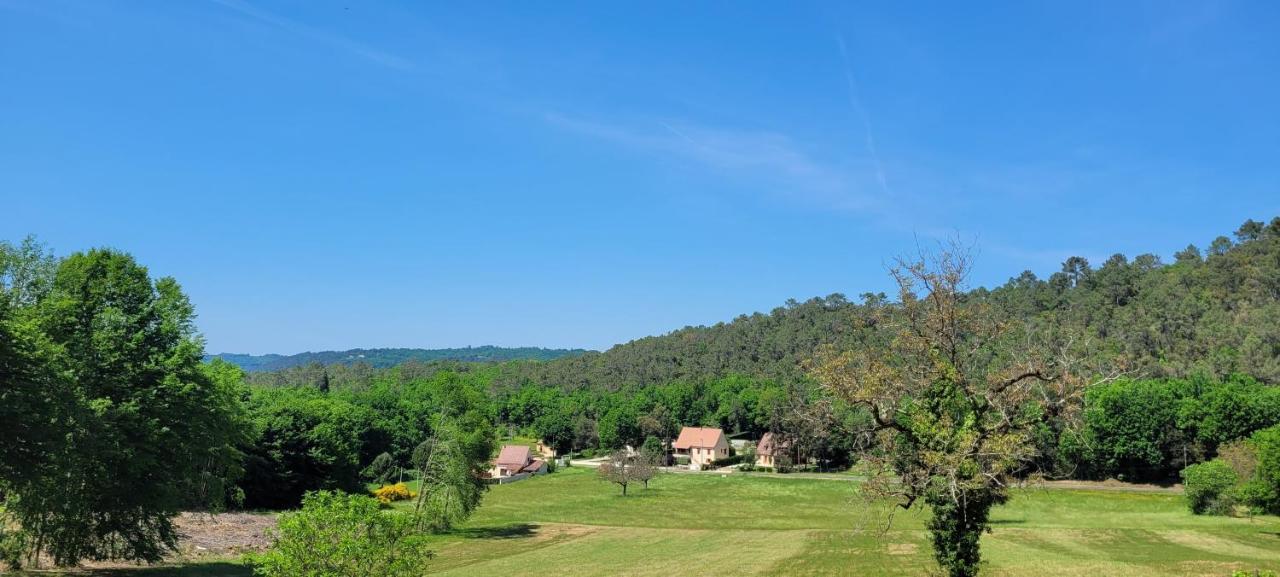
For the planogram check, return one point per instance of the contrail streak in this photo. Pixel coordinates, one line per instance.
(858, 109)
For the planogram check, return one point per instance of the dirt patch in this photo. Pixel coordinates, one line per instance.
(223, 535)
(1111, 485)
(902, 548)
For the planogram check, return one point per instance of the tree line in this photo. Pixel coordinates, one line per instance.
(1138, 369)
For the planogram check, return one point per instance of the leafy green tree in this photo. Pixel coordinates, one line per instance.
(306, 441)
(1262, 490)
(1219, 412)
(381, 470)
(1132, 428)
(1208, 486)
(556, 429)
(955, 403)
(653, 450)
(619, 427)
(1250, 230)
(451, 466)
(150, 432)
(340, 535)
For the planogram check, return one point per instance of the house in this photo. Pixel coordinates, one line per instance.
(516, 460)
(702, 445)
(768, 449)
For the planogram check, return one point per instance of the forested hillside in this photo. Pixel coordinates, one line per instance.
(1212, 312)
(383, 358)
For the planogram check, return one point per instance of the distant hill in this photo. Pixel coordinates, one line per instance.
(383, 358)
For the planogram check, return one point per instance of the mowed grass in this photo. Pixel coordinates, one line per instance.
(572, 524)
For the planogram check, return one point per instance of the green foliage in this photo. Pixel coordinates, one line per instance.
(956, 525)
(1208, 487)
(619, 427)
(1132, 429)
(653, 450)
(451, 466)
(306, 441)
(1254, 573)
(381, 470)
(132, 427)
(1149, 429)
(339, 535)
(1262, 490)
(1219, 412)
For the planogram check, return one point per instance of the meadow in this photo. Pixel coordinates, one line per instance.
(572, 524)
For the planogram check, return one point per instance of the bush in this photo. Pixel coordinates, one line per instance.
(388, 494)
(725, 462)
(381, 470)
(1262, 490)
(341, 535)
(1209, 487)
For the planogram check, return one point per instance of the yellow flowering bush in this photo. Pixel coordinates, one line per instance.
(388, 494)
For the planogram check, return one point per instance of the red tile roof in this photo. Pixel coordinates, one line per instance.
(513, 456)
(698, 437)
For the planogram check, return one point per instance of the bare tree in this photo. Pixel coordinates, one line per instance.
(622, 470)
(644, 467)
(954, 396)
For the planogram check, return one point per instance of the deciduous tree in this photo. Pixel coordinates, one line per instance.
(955, 396)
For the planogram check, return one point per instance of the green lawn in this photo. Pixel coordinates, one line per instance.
(571, 524)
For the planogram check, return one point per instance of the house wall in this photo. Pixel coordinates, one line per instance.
(702, 456)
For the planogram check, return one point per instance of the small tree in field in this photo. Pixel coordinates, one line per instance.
(450, 464)
(644, 468)
(622, 470)
(341, 535)
(954, 397)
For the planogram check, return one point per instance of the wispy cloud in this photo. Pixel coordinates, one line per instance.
(320, 35)
(770, 159)
(855, 101)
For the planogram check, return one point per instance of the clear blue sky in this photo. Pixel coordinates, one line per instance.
(328, 175)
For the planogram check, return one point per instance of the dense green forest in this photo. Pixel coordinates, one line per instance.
(1201, 330)
(111, 421)
(384, 358)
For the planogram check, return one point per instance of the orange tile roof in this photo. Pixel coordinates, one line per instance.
(697, 437)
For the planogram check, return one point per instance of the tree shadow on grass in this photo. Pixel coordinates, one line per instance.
(1007, 522)
(514, 531)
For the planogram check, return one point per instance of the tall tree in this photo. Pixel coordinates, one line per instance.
(152, 424)
(955, 399)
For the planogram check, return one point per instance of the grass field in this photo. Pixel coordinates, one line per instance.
(572, 524)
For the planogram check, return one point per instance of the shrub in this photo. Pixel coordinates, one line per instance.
(381, 470)
(388, 494)
(341, 535)
(1208, 487)
(1262, 490)
(725, 462)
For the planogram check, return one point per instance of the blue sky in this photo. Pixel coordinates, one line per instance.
(359, 174)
